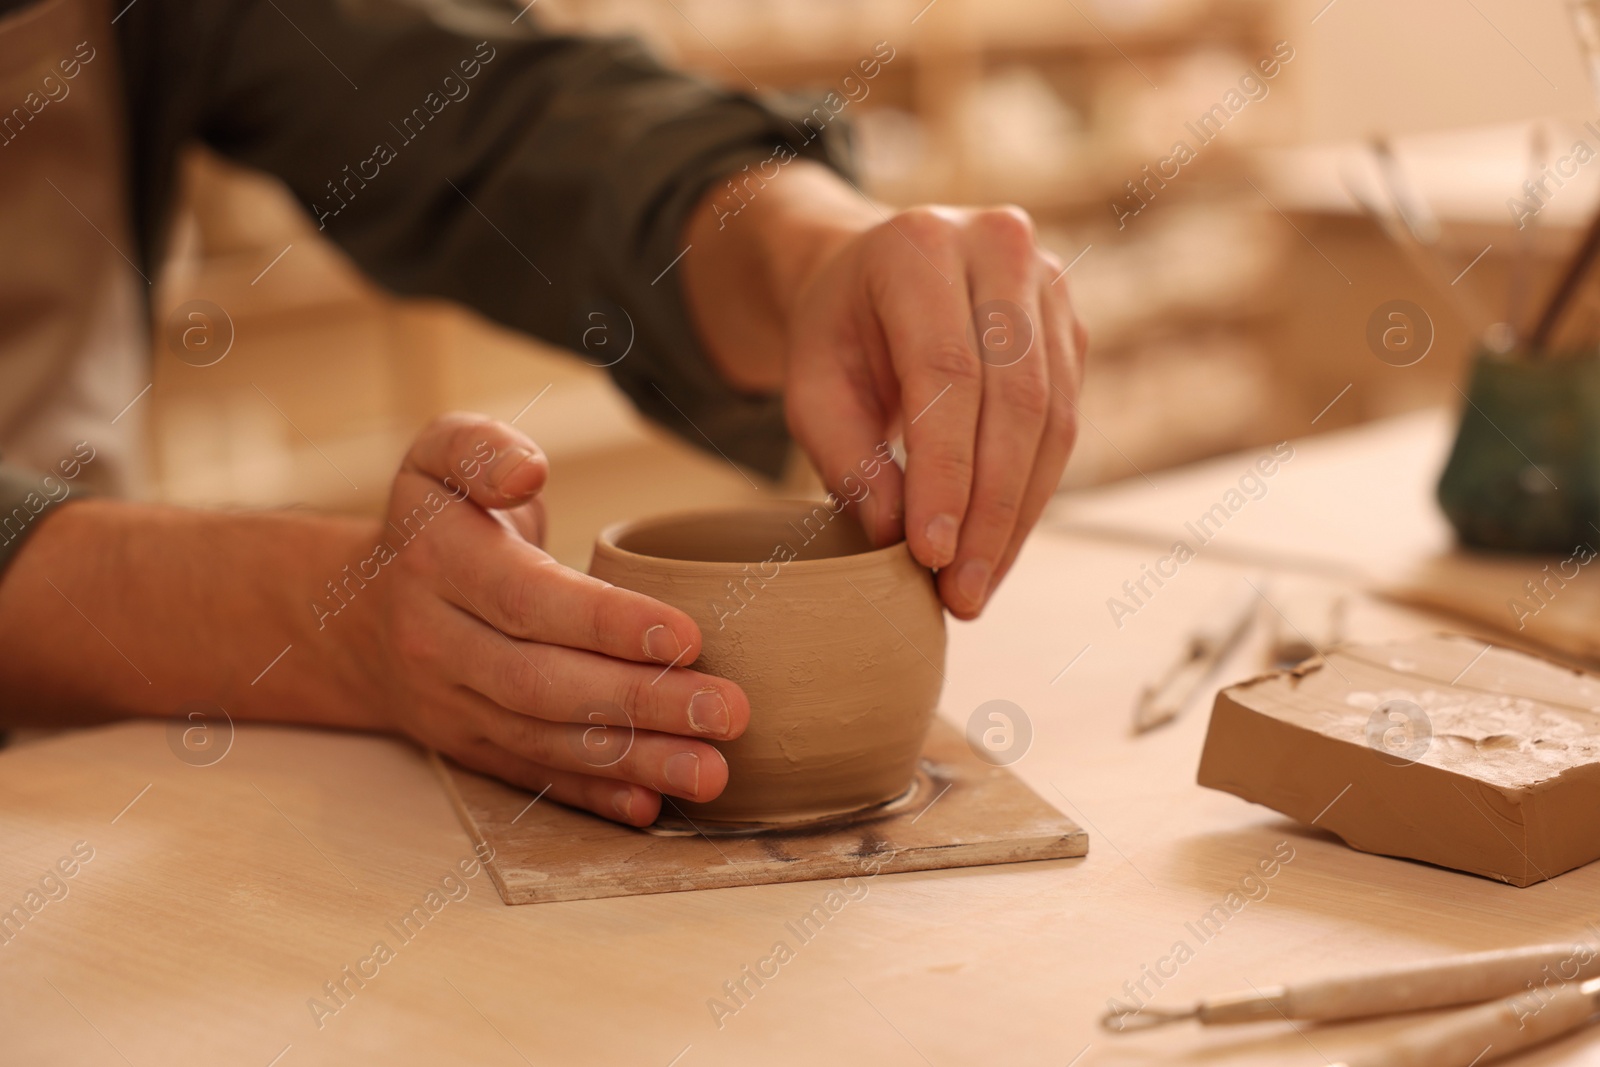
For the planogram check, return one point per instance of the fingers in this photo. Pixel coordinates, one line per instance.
(849, 443)
(1063, 325)
(996, 472)
(534, 672)
(566, 685)
(1064, 339)
(622, 802)
(467, 454)
(1015, 401)
(529, 521)
(925, 315)
(603, 748)
(892, 344)
(521, 591)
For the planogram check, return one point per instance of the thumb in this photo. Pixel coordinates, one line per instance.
(494, 464)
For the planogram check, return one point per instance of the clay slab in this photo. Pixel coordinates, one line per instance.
(1498, 775)
(968, 814)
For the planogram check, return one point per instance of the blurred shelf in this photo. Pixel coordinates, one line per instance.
(765, 41)
(1464, 176)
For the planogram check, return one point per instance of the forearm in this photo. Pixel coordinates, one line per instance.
(750, 258)
(116, 608)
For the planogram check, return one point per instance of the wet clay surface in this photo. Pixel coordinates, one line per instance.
(839, 647)
(1440, 749)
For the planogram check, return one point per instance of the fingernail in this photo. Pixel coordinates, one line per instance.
(622, 804)
(501, 470)
(942, 531)
(660, 644)
(708, 712)
(683, 773)
(972, 582)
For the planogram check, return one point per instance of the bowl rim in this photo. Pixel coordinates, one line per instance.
(606, 540)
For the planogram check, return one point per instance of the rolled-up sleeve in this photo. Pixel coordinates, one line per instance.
(542, 179)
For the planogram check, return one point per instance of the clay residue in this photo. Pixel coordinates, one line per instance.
(1508, 719)
(1510, 737)
(1440, 749)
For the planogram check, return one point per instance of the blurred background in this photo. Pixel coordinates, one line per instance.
(1230, 297)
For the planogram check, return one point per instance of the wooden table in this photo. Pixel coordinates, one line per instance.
(220, 899)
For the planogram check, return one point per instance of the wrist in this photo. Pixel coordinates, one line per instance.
(813, 217)
(341, 624)
(122, 608)
(753, 258)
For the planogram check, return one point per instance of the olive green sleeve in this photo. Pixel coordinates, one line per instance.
(544, 179)
(26, 499)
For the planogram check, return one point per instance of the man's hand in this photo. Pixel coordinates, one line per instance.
(498, 656)
(947, 326)
(446, 622)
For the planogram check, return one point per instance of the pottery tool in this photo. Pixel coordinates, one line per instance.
(1443, 749)
(1420, 257)
(965, 812)
(1222, 628)
(1517, 291)
(1408, 204)
(1420, 240)
(1488, 1033)
(1468, 979)
(1577, 267)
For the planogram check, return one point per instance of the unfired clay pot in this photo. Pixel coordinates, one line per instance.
(839, 646)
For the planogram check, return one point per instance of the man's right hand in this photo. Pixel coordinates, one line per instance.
(487, 649)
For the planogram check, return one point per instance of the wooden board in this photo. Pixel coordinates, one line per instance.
(294, 854)
(1550, 601)
(968, 814)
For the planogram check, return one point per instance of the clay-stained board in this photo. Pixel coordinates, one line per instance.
(1443, 749)
(970, 814)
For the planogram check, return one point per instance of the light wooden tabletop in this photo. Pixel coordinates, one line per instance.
(219, 900)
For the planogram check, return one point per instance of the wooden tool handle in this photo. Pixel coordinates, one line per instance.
(1458, 980)
(1482, 1034)
(1556, 306)
(1225, 622)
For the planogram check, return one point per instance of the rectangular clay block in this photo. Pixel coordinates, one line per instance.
(1442, 749)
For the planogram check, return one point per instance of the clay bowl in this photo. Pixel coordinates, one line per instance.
(839, 646)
